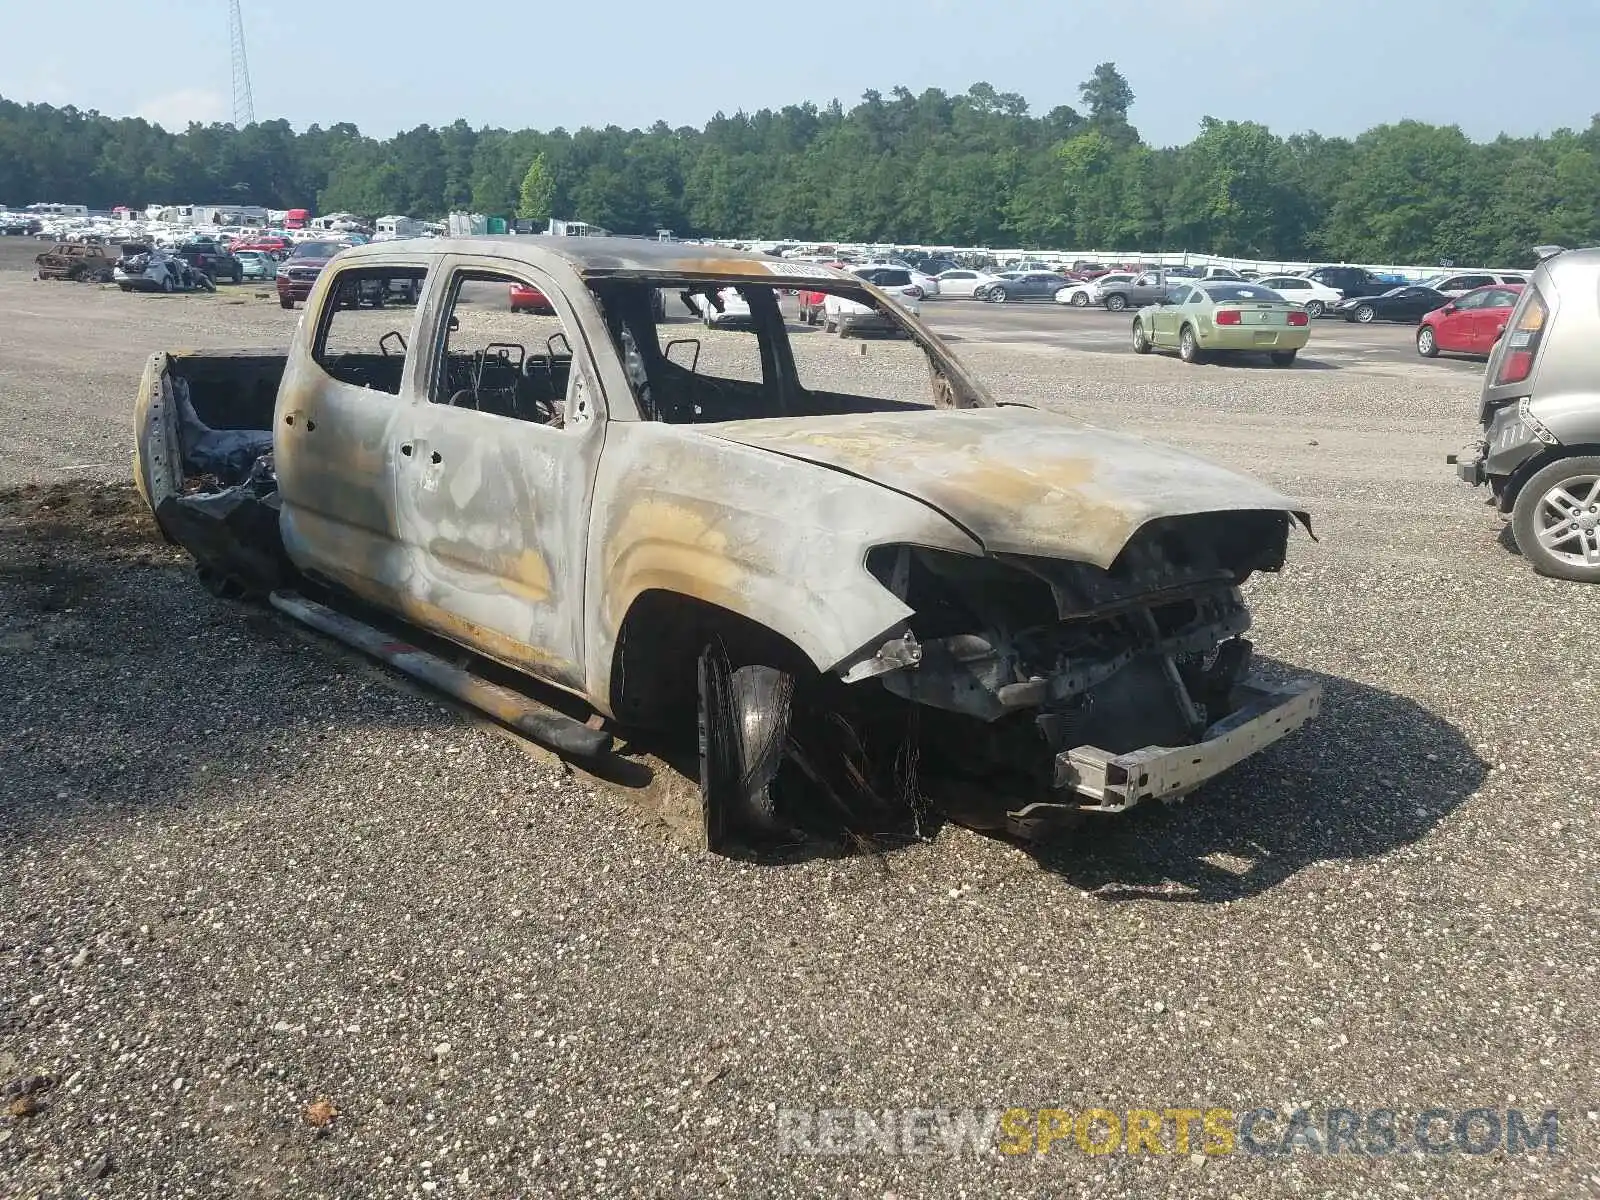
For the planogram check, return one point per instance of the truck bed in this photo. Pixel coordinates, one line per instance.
(203, 458)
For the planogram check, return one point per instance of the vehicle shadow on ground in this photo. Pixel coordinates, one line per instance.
(131, 688)
(1375, 771)
(1262, 363)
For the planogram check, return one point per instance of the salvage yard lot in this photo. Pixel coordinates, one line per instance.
(241, 871)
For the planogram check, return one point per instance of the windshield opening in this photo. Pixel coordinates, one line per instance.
(697, 352)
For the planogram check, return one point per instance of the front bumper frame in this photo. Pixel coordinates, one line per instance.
(1095, 780)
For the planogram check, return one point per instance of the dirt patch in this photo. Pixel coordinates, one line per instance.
(111, 517)
(57, 539)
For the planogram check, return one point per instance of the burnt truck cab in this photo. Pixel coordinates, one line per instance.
(1539, 451)
(873, 584)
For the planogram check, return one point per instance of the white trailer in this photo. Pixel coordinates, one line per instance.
(393, 228)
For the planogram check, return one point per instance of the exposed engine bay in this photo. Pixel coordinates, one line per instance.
(1018, 681)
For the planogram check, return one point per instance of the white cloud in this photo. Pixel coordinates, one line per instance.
(175, 110)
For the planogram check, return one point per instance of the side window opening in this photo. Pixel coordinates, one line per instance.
(361, 338)
(506, 351)
(754, 357)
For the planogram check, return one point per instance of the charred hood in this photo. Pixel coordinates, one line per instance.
(1020, 481)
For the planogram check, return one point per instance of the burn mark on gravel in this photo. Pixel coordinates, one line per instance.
(58, 540)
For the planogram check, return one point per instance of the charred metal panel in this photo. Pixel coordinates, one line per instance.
(495, 514)
(494, 511)
(157, 456)
(619, 256)
(1020, 481)
(762, 536)
(335, 446)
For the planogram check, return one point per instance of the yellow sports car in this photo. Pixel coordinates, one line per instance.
(1220, 316)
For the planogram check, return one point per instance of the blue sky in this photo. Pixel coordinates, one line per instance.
(1335, 66)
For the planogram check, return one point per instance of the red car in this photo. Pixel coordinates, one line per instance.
(525, 298)
(811, 302)
(298, 272)
(1470, 324)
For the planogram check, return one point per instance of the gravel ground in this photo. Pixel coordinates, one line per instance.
(272, 925)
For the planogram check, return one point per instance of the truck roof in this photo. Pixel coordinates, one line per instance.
(606, 256)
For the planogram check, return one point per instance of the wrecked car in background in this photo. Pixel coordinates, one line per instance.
(147, 268)
(874, 585)
(80, 262)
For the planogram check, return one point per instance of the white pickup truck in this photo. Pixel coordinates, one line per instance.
(831, 565)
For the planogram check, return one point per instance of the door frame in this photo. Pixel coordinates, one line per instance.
(520, 601)
(363, 557)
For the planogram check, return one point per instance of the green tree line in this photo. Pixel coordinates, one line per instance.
(970, 169)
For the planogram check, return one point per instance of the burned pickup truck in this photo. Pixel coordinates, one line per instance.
(873, 585)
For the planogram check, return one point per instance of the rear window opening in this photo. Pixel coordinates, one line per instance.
(698, 351)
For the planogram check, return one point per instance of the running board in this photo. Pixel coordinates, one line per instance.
(538, 722)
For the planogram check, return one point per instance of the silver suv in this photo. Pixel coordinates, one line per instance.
(1540, 450)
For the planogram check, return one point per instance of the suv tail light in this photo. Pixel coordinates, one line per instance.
(1228, 316)
(1522, 340)
(1299, 317)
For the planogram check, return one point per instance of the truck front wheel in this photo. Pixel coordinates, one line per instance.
(777, 760)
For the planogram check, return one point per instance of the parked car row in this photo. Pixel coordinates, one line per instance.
(836, 314)
(1210, 316)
